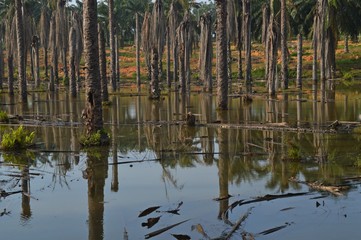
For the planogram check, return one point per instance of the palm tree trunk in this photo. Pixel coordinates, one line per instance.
(154, 84)
(11, 74)
(112, 45)
(284, 62)
(1, 65)
(103, 65)
(21, 50)
(35, 53)
(169, 78)
(117, 64)
(299, 61)
(272, 57)
(54, 50)
(221, 42)
(72, 49)
(137, 44)
(239, 45)
(315, 55)
(247, 44)
(92, 114)
(206, 53)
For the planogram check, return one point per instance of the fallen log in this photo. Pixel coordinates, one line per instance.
(335, 190)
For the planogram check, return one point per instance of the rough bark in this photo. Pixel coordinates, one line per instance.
(21, 50)
(44, 36)
(272, 57)
(61, 36)
(154, 83)
(54, 51)
(206, 52)
(221, 42)
(247, 44)
(173, 24)
(146, 43)
(112, 45)
(92, 114)
(35, 53)
(72, 53)
(284, 57)
(265, 24)
(103, 65)
(299, 61)
(315, 55)
(239, 45)
(137, 44)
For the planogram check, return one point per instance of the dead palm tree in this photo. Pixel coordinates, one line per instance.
(9, 43)
(92, 114)
(72, 53)
(103, 64)
(21, 50)
(54, 77)
(247, 44)
(112, 30)
(221, 42)
(206, 51)
(284, 56)
(61, 36)
(44, 34)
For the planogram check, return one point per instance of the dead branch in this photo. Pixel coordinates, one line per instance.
(335, 190)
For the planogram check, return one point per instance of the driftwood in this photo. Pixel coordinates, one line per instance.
(160, 231)
(238, 223)
(335, 190)
(4, 194)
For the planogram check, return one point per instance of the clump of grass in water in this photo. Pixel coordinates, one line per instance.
(4, 118)
(16, 139)
(99, 138)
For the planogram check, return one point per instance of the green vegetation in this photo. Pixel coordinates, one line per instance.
(100, 138)
(4, 118)
(16, 139)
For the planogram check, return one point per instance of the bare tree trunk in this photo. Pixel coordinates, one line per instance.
(52, 81)
(103, 65)
(284, 57)
(35, 52)
(154, 84)
(299, 61)
(112, 45)
(221, 42)
(272, 60)
(322, 6)
(169, 79)
(72, 46)
(1, 65)
(265, 26)
(137, 44)
(239, 45)
(206, 52)
(21, 50)
(11, 74)
(93, 112)
(117, 63)
(54, 50)
(315, 55)
(247, 44)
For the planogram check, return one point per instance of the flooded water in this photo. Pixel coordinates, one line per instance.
(206, 178)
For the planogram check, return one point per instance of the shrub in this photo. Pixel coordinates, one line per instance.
(19, 138)
(101, 137)
(4, 117)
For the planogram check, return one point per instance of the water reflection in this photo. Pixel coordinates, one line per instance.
(96, 173)
(231, 160)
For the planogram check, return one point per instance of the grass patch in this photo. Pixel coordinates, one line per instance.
(99, 138)
(4, 118)
(16, 139)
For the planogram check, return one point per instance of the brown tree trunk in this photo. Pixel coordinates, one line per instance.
(247, 44)
(11, 74)
(299, 61)
(93, 113)
(72, 75)
(54, 51)
(112, 45)
(35, 51)
(206, 52)
(284, 60)
(154, 83)
(137, 44)
(221, 42)
(103, 65)
(315, 56)
(21, 50)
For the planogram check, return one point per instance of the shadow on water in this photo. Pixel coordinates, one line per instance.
(198, 177)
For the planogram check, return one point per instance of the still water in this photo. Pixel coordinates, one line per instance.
(192, 174)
